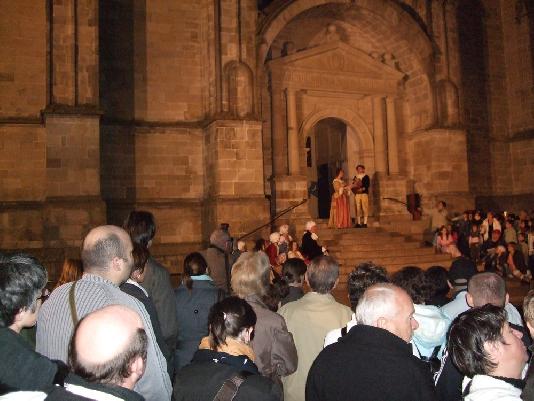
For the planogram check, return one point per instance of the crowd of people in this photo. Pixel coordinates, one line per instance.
(499, 243)
(259, 325)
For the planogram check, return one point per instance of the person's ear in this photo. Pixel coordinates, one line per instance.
(494, 349)
(116, 263)
(506, 299)
(530, 329)
(137, 369)
(469, 299)
(306, 278)
(449, 284)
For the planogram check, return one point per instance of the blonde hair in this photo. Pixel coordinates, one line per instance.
(250, 274)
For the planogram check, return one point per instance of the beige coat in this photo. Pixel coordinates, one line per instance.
(309, 320)
(276, 355)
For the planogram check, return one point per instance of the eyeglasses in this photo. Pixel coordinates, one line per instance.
(44, 295)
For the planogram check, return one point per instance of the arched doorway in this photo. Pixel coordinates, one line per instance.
(328, 151)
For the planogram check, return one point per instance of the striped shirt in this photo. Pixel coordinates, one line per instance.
(55, 328)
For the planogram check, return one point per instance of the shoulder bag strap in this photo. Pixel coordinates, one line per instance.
(72, 304)
(230, 388)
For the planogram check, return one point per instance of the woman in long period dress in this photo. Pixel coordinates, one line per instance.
(339, 209)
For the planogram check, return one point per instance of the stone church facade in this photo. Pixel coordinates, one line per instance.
(209, 111)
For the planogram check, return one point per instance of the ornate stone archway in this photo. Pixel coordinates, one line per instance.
(331, 80)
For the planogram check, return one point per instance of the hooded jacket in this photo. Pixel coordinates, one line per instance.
(432, 330)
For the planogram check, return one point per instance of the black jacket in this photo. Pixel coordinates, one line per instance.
(202, 379)
(369, 364)
(310, 248)
(24, 369)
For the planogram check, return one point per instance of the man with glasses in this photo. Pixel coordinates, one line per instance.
(107, 263)
(22, 282)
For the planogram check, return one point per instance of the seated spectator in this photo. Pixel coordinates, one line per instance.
(107, 263)
(309, 320)
(194, 297)
(72, 270)
(219, 258)
(294, 251)
(491, 244)
(475, 242)
(483, 288)
(495, 261)
(489, 353)
(528, 313)
(293, 271)
(446, 243)
(224, 363)
(516, 263)
(430, 335)
(276, 355)
(510, 234)
(141, 225)
(362, 277)
(310, 247)
(22, 281)
(522, 246)
(489, 225)
(132, 286)
(108, 354)
(437, 277)
(374, 361)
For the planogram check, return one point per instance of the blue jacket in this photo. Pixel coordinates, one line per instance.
(192, 309)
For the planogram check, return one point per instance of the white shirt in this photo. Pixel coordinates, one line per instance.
(334, 335)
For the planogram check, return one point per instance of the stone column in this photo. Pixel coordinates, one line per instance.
(379, 135)
(292, 134)
(278, 136)
(393, 152)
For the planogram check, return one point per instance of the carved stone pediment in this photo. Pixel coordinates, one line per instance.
(335, 66)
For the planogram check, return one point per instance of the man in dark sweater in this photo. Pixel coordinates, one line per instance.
(360, 187)
(374, 361)
(22, 280)
(310, 247)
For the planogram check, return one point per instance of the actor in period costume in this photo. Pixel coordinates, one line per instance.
(339, 209)
(310, 248)
(360, 187)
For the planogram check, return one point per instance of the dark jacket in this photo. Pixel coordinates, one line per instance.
(158, 285)
(528, 390)
(219, 264)
(310, 248)
(24, 369)
(192, 308)
(202, 379)
(369, 364)
(295, 293)
(104, 388)
(138, 293)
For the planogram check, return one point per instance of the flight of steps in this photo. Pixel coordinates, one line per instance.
(377, 244)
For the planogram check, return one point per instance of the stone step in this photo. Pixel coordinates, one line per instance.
(348, 242)
(349, 253)
(377, 247)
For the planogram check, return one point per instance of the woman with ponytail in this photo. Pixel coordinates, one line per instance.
(223, 368)
(194, 298)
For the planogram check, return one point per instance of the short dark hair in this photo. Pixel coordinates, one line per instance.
(412, 280)
(114, 370)
(437, 279)
(102, 252)
(362, 277)
(194, 265)
(487, 288)
(141, 226)
(293, 269)
(360, 165)
(322, 274)
(468, 333)
(228, 318)
(22, 278)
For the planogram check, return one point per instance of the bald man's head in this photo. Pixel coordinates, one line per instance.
(104, 248)
(107, 346)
